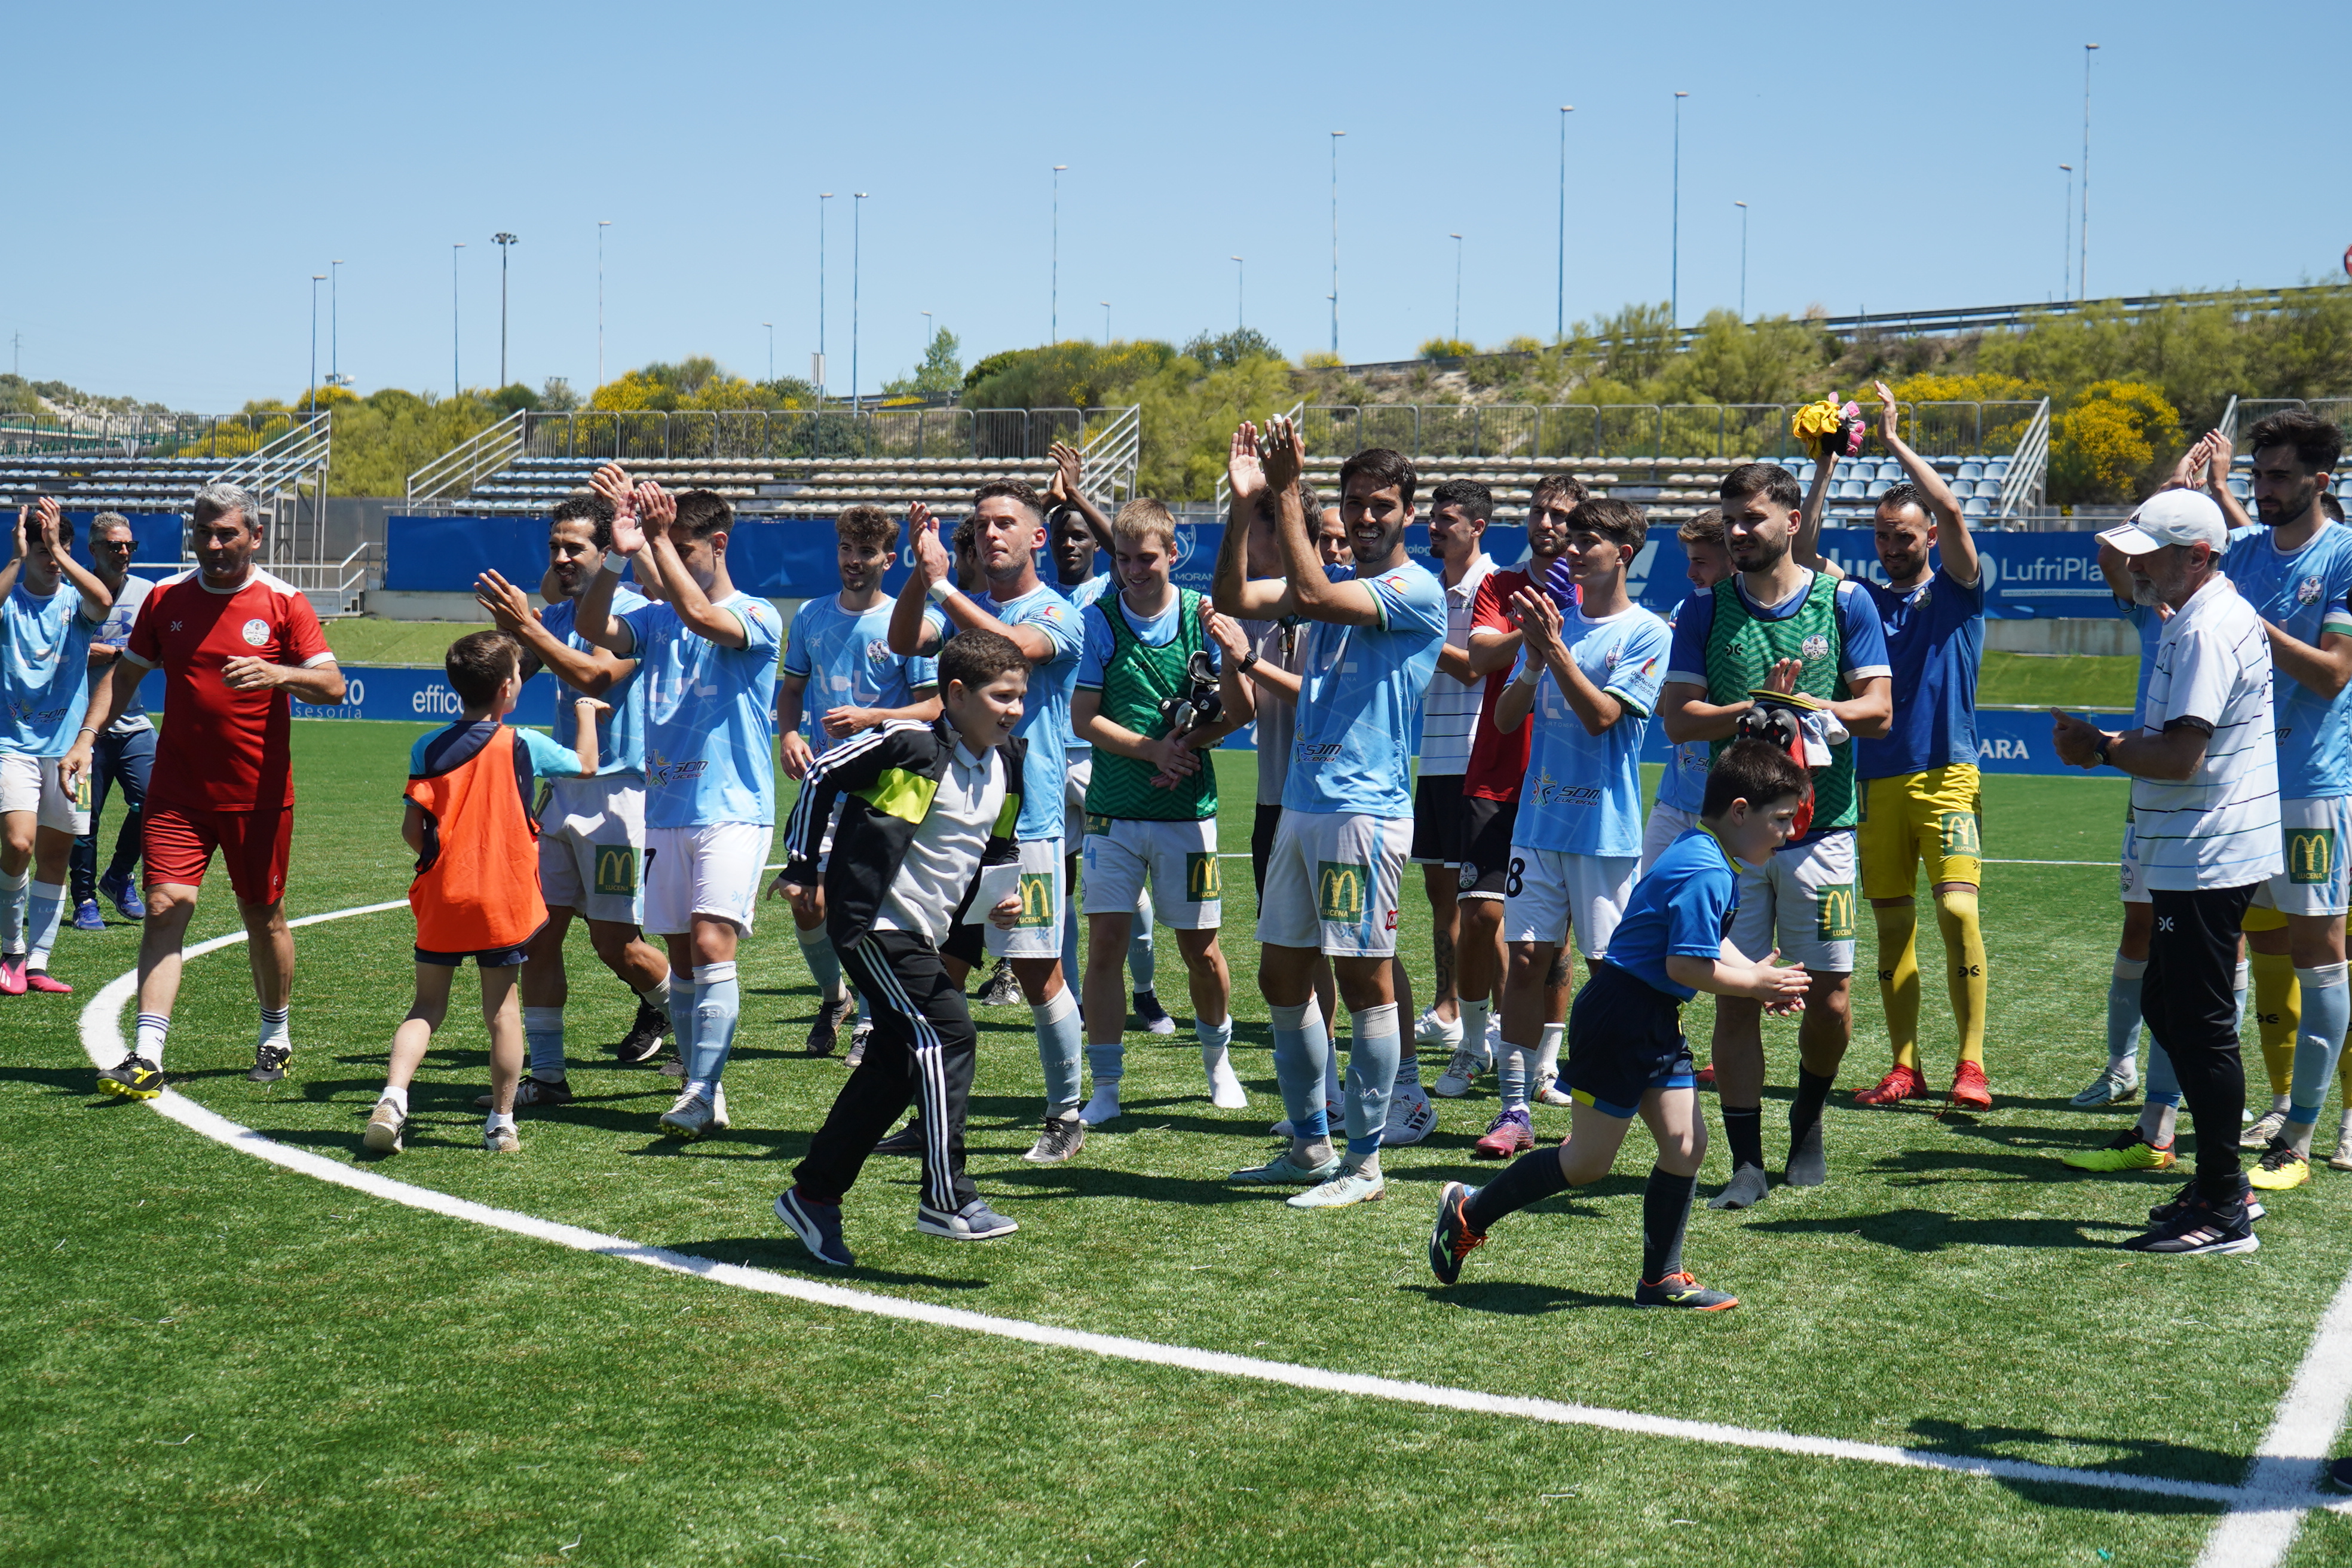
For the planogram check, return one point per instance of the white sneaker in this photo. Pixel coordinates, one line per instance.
(1103, 1106)
(2114, 1086)
(2265, 1128)
(1349, 1187)
(1462, 1072)
(1547, 1090)
(1334, 1115)
(689, 1119)
(1226, 1091)
(1410, 1117)
(1431, 1030)
(499, 1137)
(718, 1122)
(385, 1124)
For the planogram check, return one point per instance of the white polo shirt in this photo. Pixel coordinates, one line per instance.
(2220, 828)
(1449, 712)
(947, 846)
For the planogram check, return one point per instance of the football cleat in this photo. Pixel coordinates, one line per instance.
(2280, 1168)
(2261, 1130)
(1899, 1085)
(12, 975)
(1451, 1239)
(908, 1140)
(1060, 1137)
(2116, 1086)
(42, 982)
(1154, 1016)
(1348, 1188)
(1682, 1290)
(533, 1091)
(269, 1062)
(1508, 1135)
(1461, 1072)
(1549, 1092)
(688, 1119)
(501, 1137)
(1281, 1171)
(2129, 1152)
(1002, 989)
(1410, 1117)
(642, 1042)
(133, 1077)
(1969, 1090)
(1703, 1080)
(858, 1036)
(385, 1124)
(825, 1032)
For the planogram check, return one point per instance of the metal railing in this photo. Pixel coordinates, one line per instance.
(2029, 467)
(1643, 431)
(139, 436)
(1111, 456)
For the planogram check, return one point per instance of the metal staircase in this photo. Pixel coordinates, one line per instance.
(278, 474)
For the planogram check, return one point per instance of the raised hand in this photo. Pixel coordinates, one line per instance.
(1284, 457)
(1784, 675)
(24, 515)
(1887, 412)
(507, 604)
(1539, 620)
(1068, 469)
(2217, 453)
(1245, 474)
(611, 482)
(658, 508)
(931, 556)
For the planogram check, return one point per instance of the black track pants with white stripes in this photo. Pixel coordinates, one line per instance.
(921, 1051)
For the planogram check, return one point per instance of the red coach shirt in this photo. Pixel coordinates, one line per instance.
(223, 750)
(1498, 763)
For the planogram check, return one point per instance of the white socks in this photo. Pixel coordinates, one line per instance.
(397, 1097)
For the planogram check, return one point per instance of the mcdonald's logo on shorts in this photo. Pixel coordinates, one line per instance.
(1963, 834)
(1096, 825)
(1834, 908)
(1036, 898)
(616, 872)
(1340, 890)
(1202, 885)
(2310, 855)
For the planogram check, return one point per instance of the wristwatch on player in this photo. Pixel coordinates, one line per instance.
(2100, 752)
(1247, 662)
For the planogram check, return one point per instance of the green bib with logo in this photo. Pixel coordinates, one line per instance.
(1136, 679)
(1740, 652)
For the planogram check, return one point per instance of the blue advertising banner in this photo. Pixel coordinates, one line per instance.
(787, 560)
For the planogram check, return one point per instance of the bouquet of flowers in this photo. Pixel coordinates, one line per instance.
(1827, 429)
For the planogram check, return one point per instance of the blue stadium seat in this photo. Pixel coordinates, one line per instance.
(1850, 489)
(1963, 489)
(1971, 470)
(1976, 506)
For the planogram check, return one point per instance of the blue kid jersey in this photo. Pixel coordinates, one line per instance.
(549, 759)
(1684, 906)
(1935, 641)
(620, 734)
(709, 715)
(848, 661)
(1360, 699)
(43, 671)
(2303, 594)
(1583, 792)
(1046, 719)
(1683, 785)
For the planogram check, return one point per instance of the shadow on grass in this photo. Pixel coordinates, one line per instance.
(1931, 1230)
(1516, 1300)
(787, 1256)
(56, 1080)
(2139, 1457)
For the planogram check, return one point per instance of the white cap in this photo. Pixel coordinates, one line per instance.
(2171, 517)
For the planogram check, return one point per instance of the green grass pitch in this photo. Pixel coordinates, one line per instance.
(210, 1360)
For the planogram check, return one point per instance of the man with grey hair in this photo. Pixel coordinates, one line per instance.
(125, 752)
(237, 646)
(2205, 828)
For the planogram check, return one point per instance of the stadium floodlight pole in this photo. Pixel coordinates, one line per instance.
(1560, 286)
(1106, 305)
(1335, 242)
(1743, 259)
(503, 239)
(1458, 285)
(772, 349)
(602, 225)
(1054, 285)
(1675, 259)
(822, 197)
(1238, 281)
(2082, 262)
(856, 229)
(455, 385)
(334, 324)
(310, 397)
(2066, 238)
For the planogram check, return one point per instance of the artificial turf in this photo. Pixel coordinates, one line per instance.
(211, 1359)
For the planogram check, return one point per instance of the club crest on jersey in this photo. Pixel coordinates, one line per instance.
(878, 651)
(2307, 591)
(256, 632)
(1815, 647)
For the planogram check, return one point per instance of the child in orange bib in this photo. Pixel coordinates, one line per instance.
(477, 890)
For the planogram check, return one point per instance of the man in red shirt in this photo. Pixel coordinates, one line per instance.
(1490, 788)
(237, 646)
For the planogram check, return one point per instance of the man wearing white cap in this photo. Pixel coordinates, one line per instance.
(2205, 810)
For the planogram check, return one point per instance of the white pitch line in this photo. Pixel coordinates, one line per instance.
(2259, 1498)
(2256, 1534)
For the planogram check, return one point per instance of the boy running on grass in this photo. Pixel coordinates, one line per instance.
(477, 890)
(1585, 684)
(842, 678)
(922, 808)
(1626, 1054)
(707, 655)
(1152, 660)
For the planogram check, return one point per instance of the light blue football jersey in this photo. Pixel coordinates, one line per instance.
(1683, 785)
(1583, 792)
(847, 659)
(1084, 596)
(2304, 596)
(1045, 720)
(620, 734)
(1359, 698)
(44, 670)
(709, 717)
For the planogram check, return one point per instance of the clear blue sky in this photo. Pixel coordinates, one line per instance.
(179, 173)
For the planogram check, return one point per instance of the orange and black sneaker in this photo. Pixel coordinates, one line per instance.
(1969, 1090)
(1902, 1084)
(1682, 1290)
(1451, 1239)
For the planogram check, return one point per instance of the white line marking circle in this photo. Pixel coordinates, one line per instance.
(2263, 1513)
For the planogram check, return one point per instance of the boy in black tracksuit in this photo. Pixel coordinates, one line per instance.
(923, 807)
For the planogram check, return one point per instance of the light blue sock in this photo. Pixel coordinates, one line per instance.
(1213, 1036)
(47, 907)
(718, 1002)
(1107, 1062)
(685, 1026)
(825, 964)
(12, 910)
(1302, 1057)
(1371, 1074)
(1058, 1038)
(1332, 1094)
(1140, 964)
(542, 1031)
(2326, 1009)
(2163, 1088)
(2123, 1011)
(1511, 1075)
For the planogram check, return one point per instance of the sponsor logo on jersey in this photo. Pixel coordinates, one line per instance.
(256, 632)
